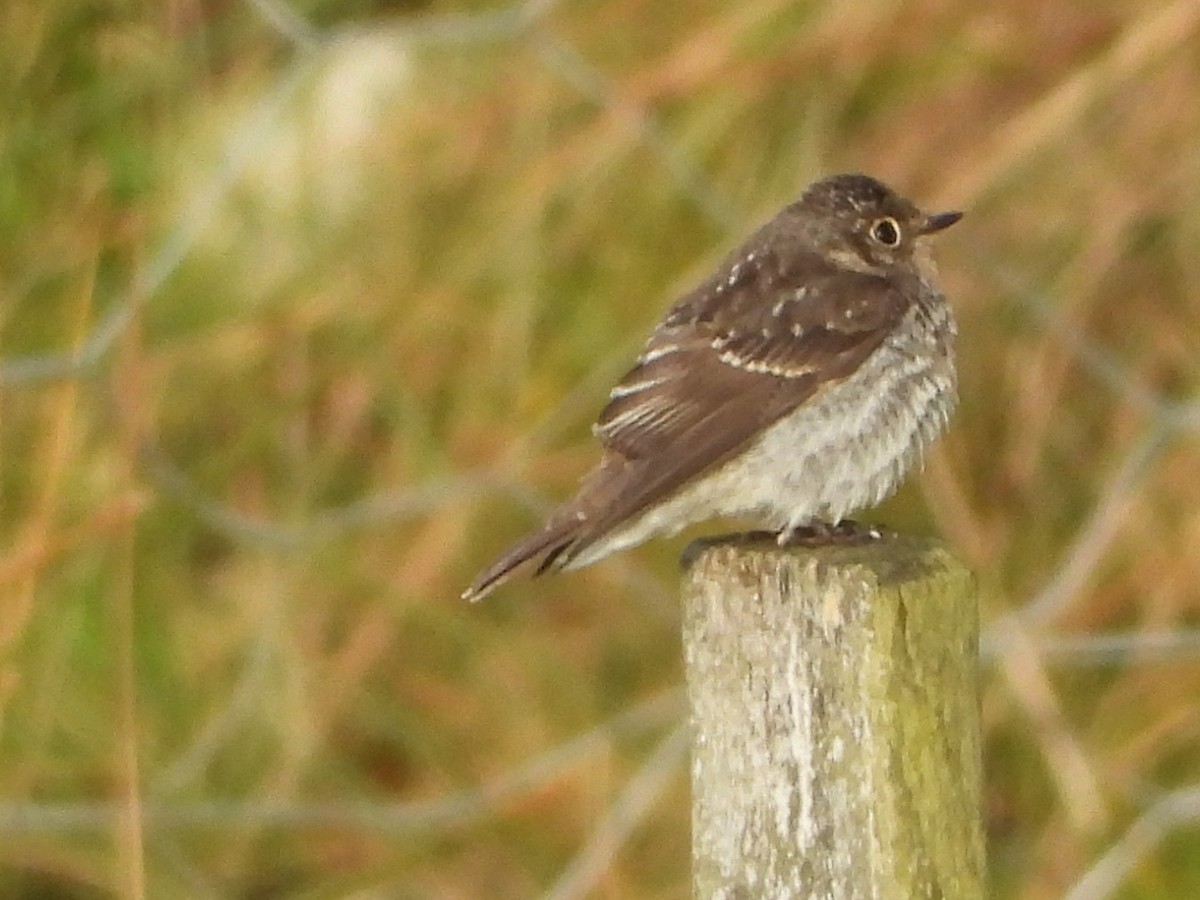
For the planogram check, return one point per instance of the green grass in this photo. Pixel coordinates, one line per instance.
(432, 279)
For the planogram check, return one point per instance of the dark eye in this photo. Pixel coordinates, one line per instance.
(886, 231)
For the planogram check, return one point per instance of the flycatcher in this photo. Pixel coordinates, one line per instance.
(797, 384)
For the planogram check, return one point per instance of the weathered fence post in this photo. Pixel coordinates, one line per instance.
(834, 699)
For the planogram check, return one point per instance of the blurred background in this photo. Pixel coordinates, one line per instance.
(307, 306)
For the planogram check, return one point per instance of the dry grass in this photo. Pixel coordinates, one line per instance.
(336, 317)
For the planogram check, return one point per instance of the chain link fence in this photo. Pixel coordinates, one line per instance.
(1070, 482)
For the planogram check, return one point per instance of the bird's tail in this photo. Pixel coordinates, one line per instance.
(551, 547)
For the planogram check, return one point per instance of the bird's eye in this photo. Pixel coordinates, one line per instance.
(886, 231)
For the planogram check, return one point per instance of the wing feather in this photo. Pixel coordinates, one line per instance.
(729, 361)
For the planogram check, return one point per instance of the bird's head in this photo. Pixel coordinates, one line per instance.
(861, 224)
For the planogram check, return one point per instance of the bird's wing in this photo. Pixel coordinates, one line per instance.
(728, 362)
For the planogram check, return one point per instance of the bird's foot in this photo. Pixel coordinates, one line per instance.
(814, 534)
(817, 533)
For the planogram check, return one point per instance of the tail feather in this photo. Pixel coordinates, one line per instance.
(546, 549)
(574, 529)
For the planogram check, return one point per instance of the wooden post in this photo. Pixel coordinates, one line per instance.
(836, 745)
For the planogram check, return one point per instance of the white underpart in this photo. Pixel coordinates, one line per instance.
(845, 449)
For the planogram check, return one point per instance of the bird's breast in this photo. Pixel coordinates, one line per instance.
(850, 445)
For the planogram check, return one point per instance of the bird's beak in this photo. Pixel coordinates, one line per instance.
(938, 221)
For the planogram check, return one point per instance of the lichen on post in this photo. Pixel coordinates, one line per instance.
(834, 702)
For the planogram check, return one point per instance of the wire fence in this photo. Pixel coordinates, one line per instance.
(1020, 644)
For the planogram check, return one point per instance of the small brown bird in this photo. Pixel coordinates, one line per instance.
(797, 384)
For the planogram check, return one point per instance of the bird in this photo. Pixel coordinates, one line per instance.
(797, 384)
